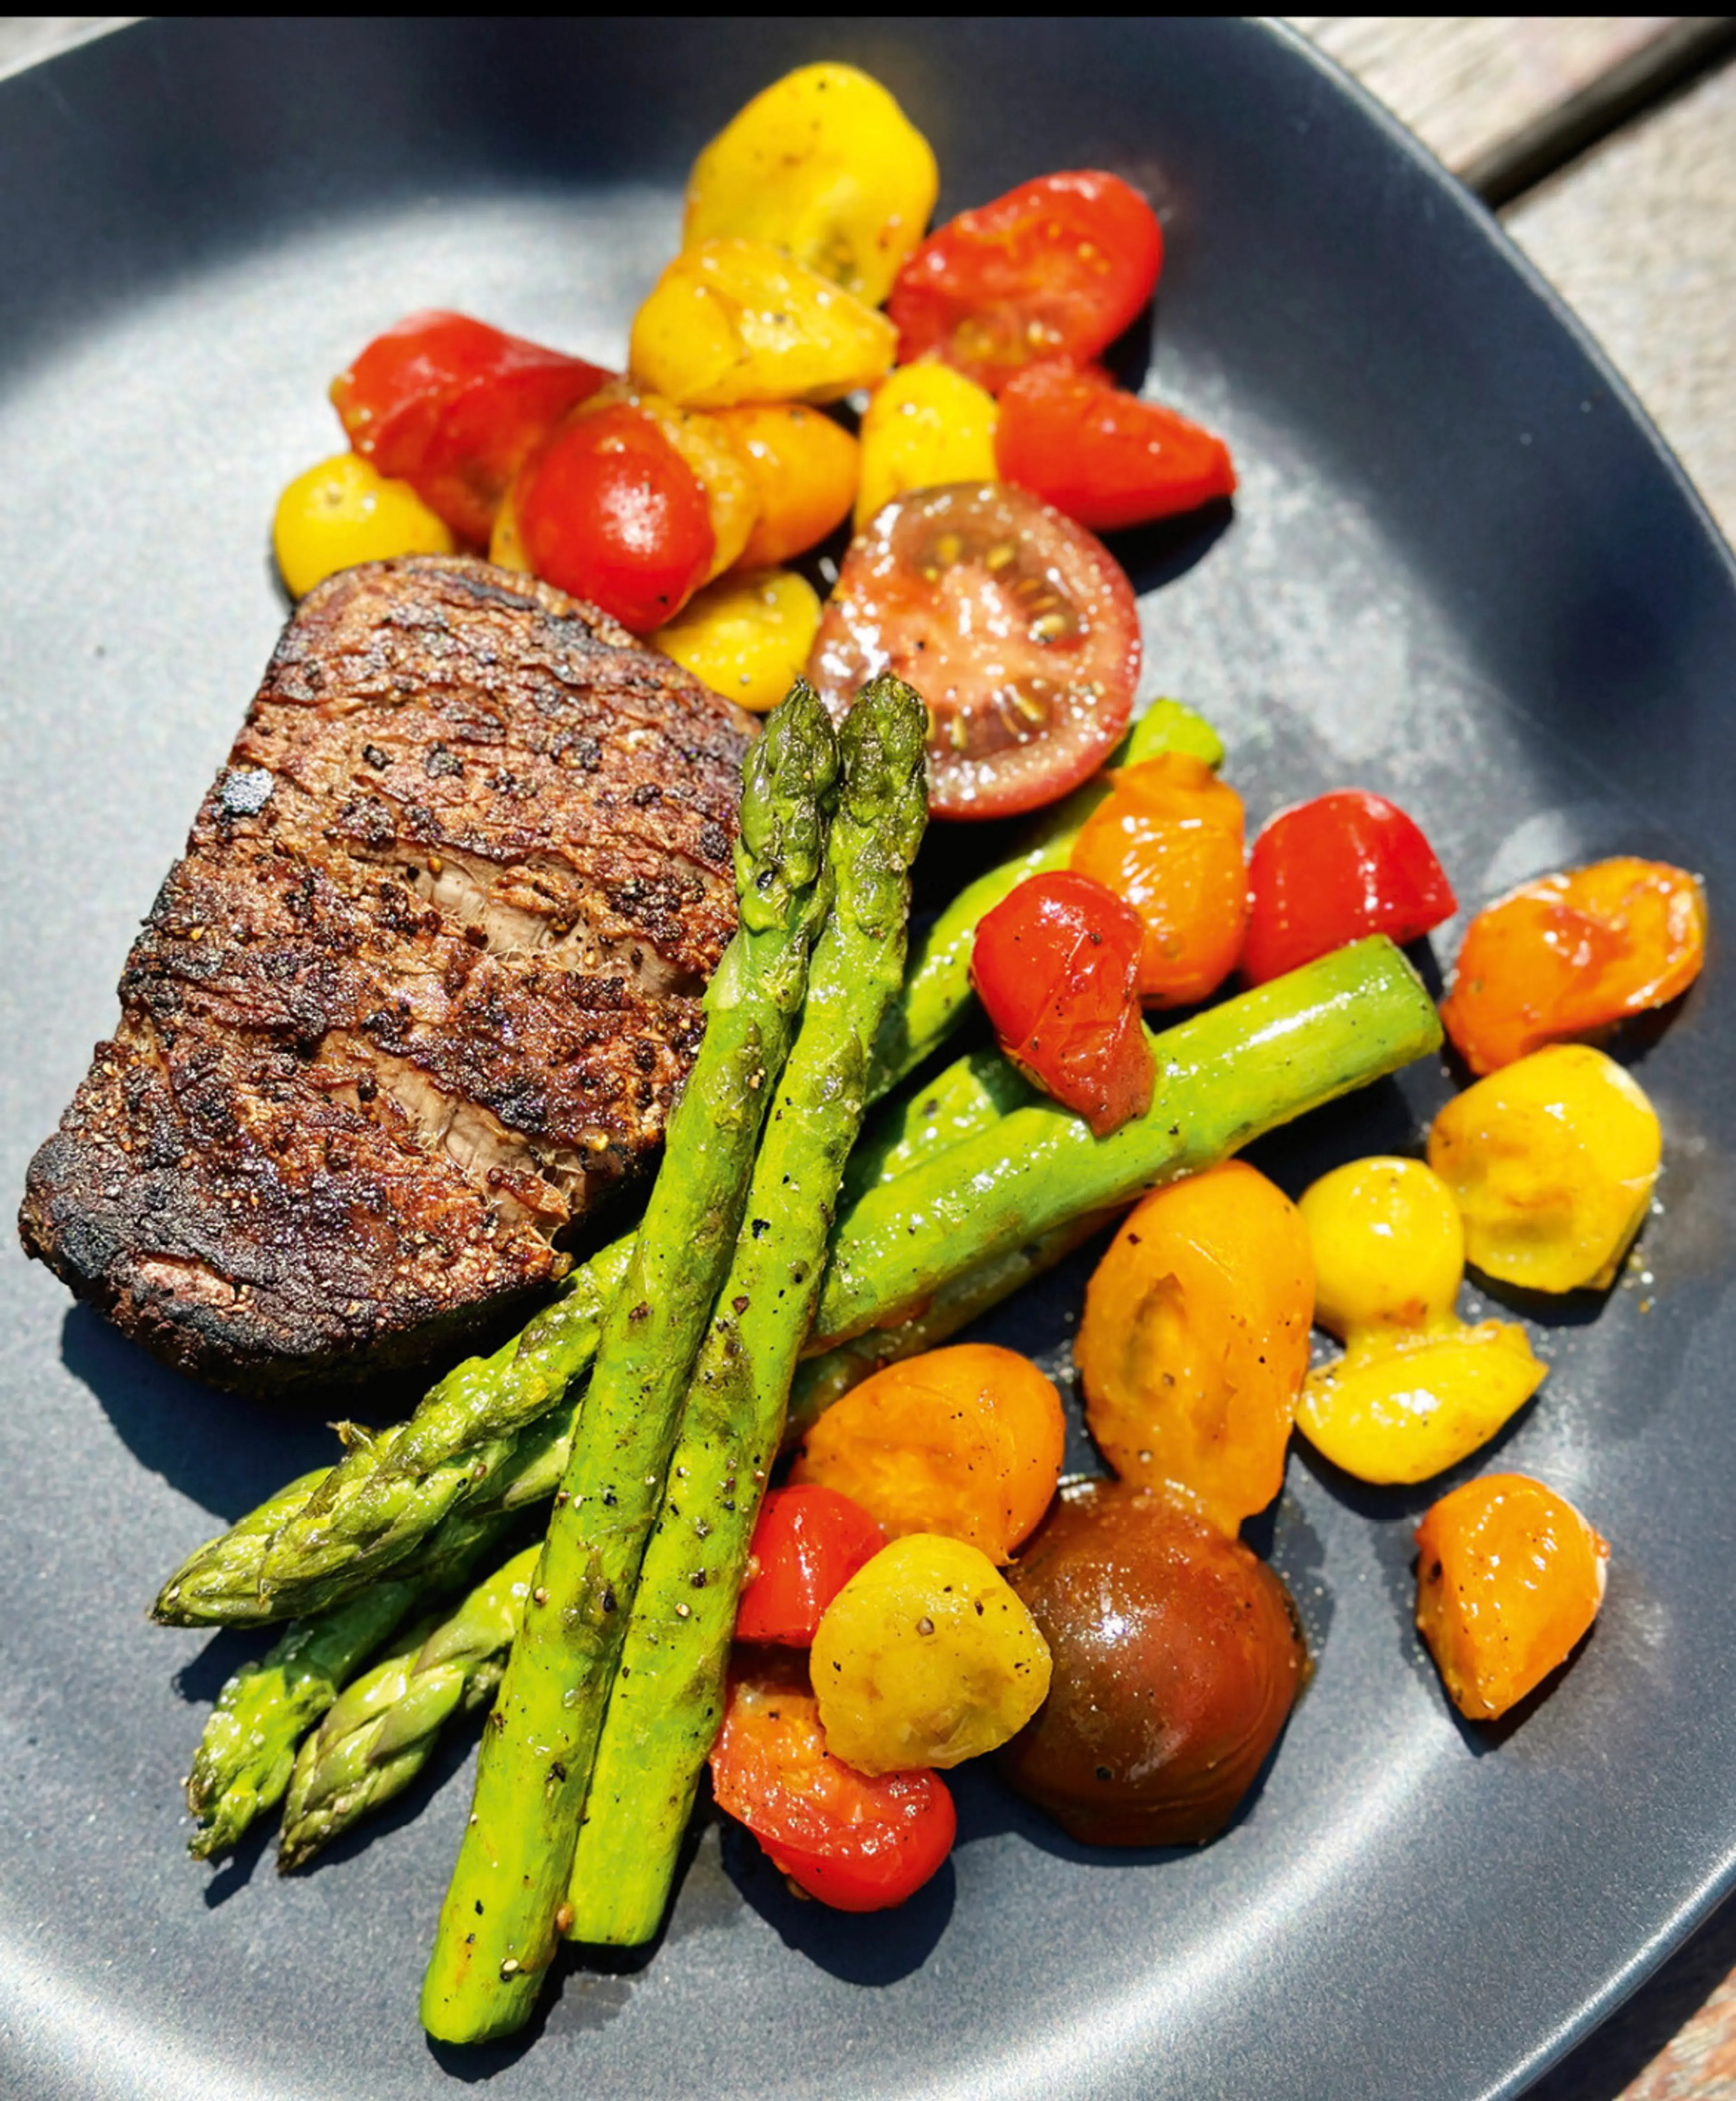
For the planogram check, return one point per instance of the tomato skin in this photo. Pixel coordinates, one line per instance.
(610, 512)
(1102, 455)
(1167, 839)
(857, 1842)
(1056, 267)
(454, 408)
(1020, 631)
(1055, 965)
(1570, 955)
(809, 1542)
(1330, 871)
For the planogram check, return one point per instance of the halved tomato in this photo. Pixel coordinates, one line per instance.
(1018, 628)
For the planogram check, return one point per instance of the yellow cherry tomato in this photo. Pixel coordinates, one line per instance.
(1401, 1407)
(926, 1657)
(825, 164)
(1508, 1576)
(805, 469)
(927, 425)
(344, 512)
(1388, 1246)
(505, 549)
(1551, 1161)
(730, 321)
(746, 637)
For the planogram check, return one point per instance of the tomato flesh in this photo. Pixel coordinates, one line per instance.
(1055, 965)
(1332, 870)
(609, 510)
(1102, 455)
(1018, 629)
(454, 408)
(1571, 955)
(1056, 267)
(809, 1542)
(857, 1842)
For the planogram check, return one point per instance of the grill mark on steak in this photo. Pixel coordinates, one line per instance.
(419, 993)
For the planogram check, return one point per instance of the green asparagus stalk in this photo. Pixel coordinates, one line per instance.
(390, 1490)
(937, 987)
(380, 1730)
(497, 1931)
(246, 1757)
(667, 1694)
(1223, 1078)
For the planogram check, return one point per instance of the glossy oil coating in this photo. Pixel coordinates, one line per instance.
(1460, 572)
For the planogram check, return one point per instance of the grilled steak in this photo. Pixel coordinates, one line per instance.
(418, 994)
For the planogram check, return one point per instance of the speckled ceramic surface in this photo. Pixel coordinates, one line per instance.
(1460, 570)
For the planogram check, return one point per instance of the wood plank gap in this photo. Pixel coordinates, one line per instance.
(1670, 62)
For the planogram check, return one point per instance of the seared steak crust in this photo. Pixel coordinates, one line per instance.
(420, 991)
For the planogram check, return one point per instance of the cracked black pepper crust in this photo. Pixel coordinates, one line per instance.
(418, 994)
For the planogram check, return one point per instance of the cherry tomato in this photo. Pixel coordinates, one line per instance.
(857, 1842)
(1331, 870)
(1102, 455)
(609, 510)
(1018, 630)
(1055, 964)
(1167, 839)
(454, 408)
(1572, 954)
(808, 1542)
(804, 467)
(1056, 267)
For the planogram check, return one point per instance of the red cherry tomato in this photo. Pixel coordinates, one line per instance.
(1018, 630)
(609, 510)
(1056, 267)
(1329, 872)
(1102, 456)
(454, 408)
(808, 1542)
(1055, 965)
(857, 1843)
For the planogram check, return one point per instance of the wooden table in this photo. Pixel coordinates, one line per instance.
(1608, 144)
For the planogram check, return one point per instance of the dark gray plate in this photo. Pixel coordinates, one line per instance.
(1461, 569)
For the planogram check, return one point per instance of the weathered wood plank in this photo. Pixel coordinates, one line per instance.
(1639, 238)
(1465, 83)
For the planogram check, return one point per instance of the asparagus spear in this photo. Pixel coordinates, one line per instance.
(378, 1734)
(937, 988)
(667, 1694)
(1254, 1062)
(373, 1508)
(497, 1930)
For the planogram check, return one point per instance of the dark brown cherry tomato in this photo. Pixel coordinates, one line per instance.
(1056, 267)
(1102, 455)
(1177, 1658)
(609, 510)
(1020, 631)
(858, 1843)
(454, 408)
(1331, 870)
(809, 1542)
(1056, 966)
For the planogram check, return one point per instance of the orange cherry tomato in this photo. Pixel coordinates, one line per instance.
(805, 469)
(1571, 955)
(454, 407)
(1195, 1341)
(858, 1843)
(1167, 839)
(609, 510)
(1508, 1576)
(965, 1441)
